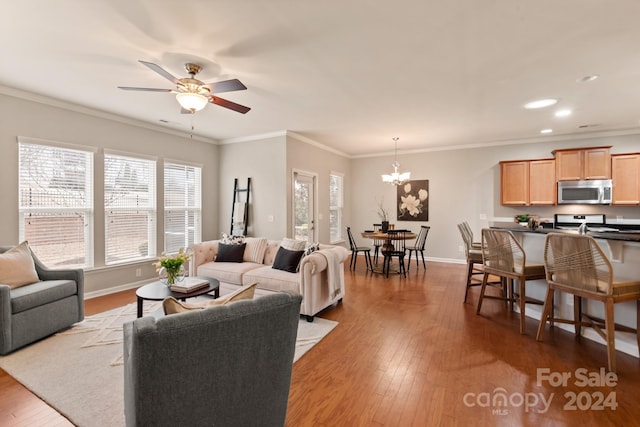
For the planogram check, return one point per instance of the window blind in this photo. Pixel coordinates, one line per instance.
(182, 206)
(130, 208)
(336, 200)
(56, 204)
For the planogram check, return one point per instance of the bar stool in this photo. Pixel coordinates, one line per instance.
(504, 257)
(474, 260)
(577, 265)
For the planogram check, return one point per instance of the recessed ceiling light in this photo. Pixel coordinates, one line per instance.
(563, 113)
(586, 79)
(546, 131)
(540, 103)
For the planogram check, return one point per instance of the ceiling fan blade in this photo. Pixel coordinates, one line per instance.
(226, 86)
(158, 69)
(228, 104)
(148, 89)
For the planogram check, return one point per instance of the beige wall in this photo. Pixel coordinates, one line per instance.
(270, 162)
(310, 158)
(263, 160)
(21, 117)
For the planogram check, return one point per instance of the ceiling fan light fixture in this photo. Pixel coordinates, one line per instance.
(192, 101)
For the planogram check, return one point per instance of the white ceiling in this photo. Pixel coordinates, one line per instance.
(349, 74)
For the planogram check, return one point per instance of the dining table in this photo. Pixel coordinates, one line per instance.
(380, 235)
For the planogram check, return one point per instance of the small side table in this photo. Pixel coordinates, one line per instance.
(158, 291)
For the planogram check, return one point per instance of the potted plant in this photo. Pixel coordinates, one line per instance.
(171, 267)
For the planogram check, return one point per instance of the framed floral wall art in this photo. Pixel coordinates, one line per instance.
(413, 200)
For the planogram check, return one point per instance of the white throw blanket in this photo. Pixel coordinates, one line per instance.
(335, 272)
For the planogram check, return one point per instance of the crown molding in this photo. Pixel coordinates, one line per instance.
(77, 108)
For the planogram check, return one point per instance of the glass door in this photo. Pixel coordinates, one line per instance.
(304, 206)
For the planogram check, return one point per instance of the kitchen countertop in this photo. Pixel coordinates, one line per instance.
(625, 235)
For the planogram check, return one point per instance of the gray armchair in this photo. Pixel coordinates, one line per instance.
(227, 365)
(35, 311)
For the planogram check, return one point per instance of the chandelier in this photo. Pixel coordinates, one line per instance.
(396, 178)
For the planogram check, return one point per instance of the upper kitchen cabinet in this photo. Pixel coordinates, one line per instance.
(625, 172)
(583, 163)
(542, 182)
(514, 183)
(528, 182)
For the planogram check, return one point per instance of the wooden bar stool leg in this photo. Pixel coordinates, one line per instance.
(522, 301)
(547, 312)
(482, 288)
(611, 337)
(577, 314)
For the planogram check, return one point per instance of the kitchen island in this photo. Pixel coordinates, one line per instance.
(622, 248)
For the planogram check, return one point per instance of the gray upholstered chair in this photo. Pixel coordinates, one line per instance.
(227, 365)
(34, 311)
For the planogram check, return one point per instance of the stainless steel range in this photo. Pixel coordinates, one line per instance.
(595, 222)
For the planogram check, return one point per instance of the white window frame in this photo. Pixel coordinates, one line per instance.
(77, 202)
(139, 202)
(336, 236)
(189, 207)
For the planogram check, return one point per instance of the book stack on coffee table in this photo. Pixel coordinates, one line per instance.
(189, 284)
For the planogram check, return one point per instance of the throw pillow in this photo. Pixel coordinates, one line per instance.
(230, 253)
(17, 267)
(171, 305)
(287, 260)
(311, 247)
(256, 247)
(293, 245)
(231, 240)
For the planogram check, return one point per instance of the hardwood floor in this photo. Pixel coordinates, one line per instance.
(408, 352)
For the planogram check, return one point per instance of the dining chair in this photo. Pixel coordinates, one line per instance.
(576, 264)
(504, 257)
(395, 246)
(377, 243)
(355, 250)
(419, 246)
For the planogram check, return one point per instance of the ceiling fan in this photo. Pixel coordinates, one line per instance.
(192, 94)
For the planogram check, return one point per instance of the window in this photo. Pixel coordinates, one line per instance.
(336, 202)
(182, 206)
(56, 203)
(130, 208)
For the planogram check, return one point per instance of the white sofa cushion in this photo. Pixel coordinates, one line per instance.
(272, 279)
(228, 272)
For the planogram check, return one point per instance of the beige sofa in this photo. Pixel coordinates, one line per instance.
(320, 279)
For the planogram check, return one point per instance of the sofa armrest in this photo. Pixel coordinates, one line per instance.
(201, 253)
(75, 274)
(5, 319)
(315, 262)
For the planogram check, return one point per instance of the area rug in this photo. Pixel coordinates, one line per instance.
(79, 372)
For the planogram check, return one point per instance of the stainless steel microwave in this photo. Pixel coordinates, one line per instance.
(591, 192)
